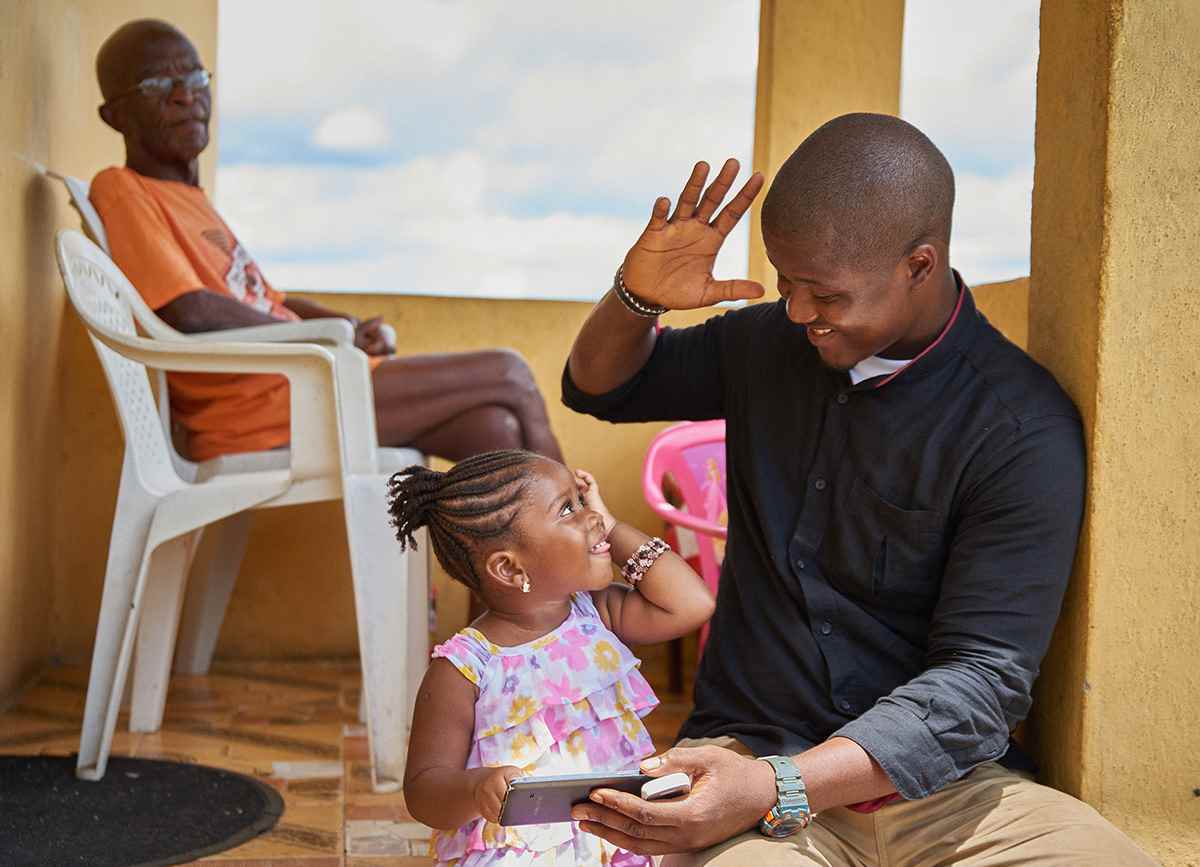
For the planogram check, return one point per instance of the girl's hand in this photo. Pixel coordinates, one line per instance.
(491, 788)
(590, 492)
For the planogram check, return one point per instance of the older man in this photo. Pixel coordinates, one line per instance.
(905, 495)
(174, 247)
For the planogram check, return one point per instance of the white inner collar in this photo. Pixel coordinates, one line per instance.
(876, 366)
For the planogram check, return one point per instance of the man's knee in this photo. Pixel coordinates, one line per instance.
(498, 427)
(514, 371)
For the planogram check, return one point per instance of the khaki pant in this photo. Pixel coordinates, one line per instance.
(991, 817)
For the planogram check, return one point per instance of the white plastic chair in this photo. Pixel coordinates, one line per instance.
(219, 555)
(160, 514)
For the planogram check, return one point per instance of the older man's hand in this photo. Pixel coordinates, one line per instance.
(730, 793)
(375, 337)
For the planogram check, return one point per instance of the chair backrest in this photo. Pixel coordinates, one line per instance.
(99, 292)
(78, 190)
(693, 453)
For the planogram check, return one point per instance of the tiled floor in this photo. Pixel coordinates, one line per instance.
(292, 724)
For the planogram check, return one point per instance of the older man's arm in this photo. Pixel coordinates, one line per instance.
(202, 310)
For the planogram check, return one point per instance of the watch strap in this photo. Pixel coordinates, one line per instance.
(791, 792)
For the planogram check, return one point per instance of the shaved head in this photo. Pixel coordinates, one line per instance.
(121, 60)
(869, 186)
(165, 130)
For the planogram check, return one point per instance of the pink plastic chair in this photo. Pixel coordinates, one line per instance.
(693, 453)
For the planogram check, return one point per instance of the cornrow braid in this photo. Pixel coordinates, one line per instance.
(475, 500)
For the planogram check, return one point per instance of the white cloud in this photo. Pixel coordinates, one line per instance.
(969, 82)
(516, 148)
(969, 75)
(281, 59)
(425, 226)
(990, 238)
(352, 130)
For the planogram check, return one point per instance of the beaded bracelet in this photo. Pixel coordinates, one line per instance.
(632, 303)
(642, 559)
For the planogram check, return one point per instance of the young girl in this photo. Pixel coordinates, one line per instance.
(542, 683)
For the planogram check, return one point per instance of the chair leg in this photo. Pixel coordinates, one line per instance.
(217, 563)
(385, 588)
(117, 624)
(162, 602)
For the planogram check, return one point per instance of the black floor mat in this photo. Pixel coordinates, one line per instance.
(143, 812)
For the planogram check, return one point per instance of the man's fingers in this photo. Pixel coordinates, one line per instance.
(659, 814)
(691, 192)
(628, 843)
(733, 290)
(737, 206)
(658, 214)
(716, 192)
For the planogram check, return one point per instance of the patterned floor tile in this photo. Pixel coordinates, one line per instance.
(392, 809)
(293, 725)
(306, 770)
(374, 837)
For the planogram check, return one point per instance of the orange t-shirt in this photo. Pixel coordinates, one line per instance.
(169, 240)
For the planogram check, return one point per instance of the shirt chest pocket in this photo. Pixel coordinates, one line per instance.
(884, 552)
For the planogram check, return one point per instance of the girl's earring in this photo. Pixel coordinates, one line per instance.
(525, 586)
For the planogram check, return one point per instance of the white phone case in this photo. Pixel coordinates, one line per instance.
(667, 787)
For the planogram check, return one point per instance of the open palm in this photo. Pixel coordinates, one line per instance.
(671, 263)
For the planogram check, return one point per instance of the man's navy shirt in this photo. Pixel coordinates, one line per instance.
(897, 554)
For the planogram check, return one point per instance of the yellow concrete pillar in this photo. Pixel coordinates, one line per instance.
(818, 59)
(1115, 314)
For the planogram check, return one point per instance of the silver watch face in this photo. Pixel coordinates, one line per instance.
(784, 826)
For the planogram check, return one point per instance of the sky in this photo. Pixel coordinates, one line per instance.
(473, 147)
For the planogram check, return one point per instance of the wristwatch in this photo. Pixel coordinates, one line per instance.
(791, 812)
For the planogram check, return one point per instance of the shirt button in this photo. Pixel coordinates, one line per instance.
(826, 627)
(843, 397)
(844, 705)
(800, 564)
(820, 484)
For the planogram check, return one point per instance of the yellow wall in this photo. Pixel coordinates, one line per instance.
(1115, 315)
(49, 96)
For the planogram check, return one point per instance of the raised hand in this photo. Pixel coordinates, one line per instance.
(590, 492)
(671, 263)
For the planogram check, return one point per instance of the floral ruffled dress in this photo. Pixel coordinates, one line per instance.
(569, 702)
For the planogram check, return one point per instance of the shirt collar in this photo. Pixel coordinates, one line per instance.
(954, 335)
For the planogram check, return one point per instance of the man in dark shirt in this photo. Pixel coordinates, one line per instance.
(905, 493)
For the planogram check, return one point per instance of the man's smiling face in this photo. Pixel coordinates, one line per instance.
(851, 312)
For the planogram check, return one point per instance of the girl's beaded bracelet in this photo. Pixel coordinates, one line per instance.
(642, 559)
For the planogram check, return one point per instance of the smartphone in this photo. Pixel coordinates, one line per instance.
(542, 800)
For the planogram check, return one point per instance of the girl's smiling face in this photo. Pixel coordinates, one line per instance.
(559, 542)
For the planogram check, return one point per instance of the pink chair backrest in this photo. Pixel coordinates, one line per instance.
(694, 455)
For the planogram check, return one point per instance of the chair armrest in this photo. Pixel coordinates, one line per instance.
(316, 447)
(330, 330)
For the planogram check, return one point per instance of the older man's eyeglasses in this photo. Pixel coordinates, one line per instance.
(161, 86)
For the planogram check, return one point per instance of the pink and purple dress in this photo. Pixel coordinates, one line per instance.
(570, 702)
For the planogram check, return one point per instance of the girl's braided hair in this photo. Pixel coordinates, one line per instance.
(476, 499)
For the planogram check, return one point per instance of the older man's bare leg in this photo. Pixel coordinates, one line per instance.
(458, 404)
